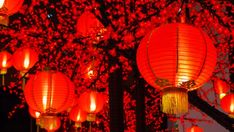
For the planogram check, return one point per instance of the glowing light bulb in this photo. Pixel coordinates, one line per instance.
(26, 61)
(92, 103)
(1, 3)
(4, 61)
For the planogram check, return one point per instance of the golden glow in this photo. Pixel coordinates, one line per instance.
(44, 101)
(37, 114)
(78, 116)
(232, 107)
(26, 61)
(1, 3)
(90, 72)
(4, 61)
(222, 95)
(92, 103)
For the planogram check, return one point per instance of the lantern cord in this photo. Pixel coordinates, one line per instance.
(3, 80)
(180, 9)
(90, 126)
(38, 128)
(23, 83)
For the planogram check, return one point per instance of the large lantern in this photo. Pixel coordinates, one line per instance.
(24, 59)
(50, 123)
(194, 128)
(49, 92)
(91, 102)
(7, 8)
(89, 25)
(176, 58)
(221, 87)
(77, 115)
(227, 104)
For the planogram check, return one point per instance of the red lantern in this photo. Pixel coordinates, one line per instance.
(91, 102)
(7, 8)
(78, 115)
(49, 92)
(194, 128)
(176, 58)
(6, 61)
(24, 59)
(50, 123)
(221, 87)
(89, 25)
(227, 104)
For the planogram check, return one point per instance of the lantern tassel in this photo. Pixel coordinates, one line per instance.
(23, 83)
(174, 100)
(3, 80)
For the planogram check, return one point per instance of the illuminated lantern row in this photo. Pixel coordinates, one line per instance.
(49, 92)
(176, 58)
(7, 8)
(227, 104)
(89, 25)
(194, 128)
(221, 87)
(77, 115)
(23, 59)
(91, 102)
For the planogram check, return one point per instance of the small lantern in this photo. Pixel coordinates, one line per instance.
(7, 8)
(227, 104)
(89, 25)
(78, 116)
(91, 102)
(6, 62)
(49, 92)
(24, 59)
(221, 87)
(194, 128)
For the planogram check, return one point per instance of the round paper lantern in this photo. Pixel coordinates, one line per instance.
(24, 59)
(77, 115)
(227, 104)
(50, 123)
(221, 87)
(194, 128)
(91, 102)
(176, 58)
(7, 8)
(49, 92)
(89, 25)
(6, 61)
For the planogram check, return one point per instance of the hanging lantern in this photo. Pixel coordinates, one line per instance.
(78, 116)
(89, 25)
(176, 58)
(7, 8)
(49, 92)
(6, 62)
(221, 87)
(24, 59)
(227, 104)
(91, 102)
(194, 128)
(50, 123)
